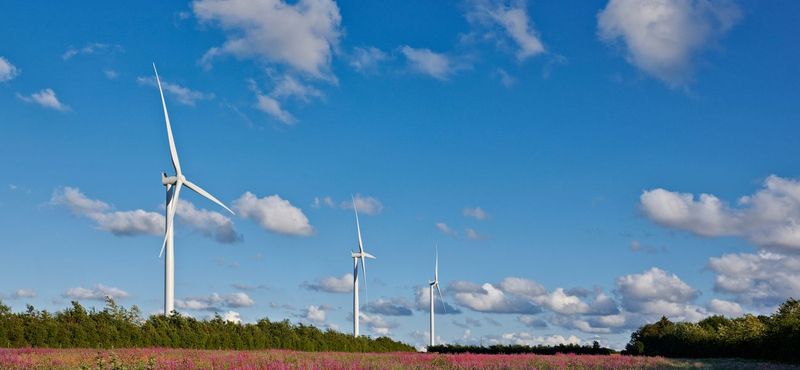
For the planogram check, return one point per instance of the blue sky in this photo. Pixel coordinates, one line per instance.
(584, 167)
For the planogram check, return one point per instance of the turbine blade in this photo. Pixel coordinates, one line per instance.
(364, 269)
(204, 193)
(173, 205)
(441, 297)
(172, 151)
(170, 213)
(358, 226)
(436, 271)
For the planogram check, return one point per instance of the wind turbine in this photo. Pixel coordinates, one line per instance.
(361, 254)
(174, 184)
(435, 283)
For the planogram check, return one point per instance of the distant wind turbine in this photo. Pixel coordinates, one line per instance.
(173, 184)
(361, 254)
(435, 283)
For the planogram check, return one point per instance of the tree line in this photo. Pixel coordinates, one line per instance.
(498, 349)
(774, 337)
(118, 327)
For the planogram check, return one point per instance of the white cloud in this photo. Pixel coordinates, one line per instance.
(97, 292)
(182, 95)
(331, 284)
(140, 222)
(274, 214)
(441, 226)
(422, 302)
(366, 59)
(521, 338)
(428, 62)
(110, 74)
(208, 223)
(232, 316)
(77, 202)
(723, 307)
(478, 213)
(654, 284)
(366, 204)
(270, 105)
(770, 218)
(215, 301)
(512, 19)
(24, 293)
(314, 315)
(376, 324)
(657, 293)
(764, 279)
(663, 37)
(491, 299)
(302, 35)
(7, 70)
(473, 235)
(559, 301)
(46, 98)
(90, 49)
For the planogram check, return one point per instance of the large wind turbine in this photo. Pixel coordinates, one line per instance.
(435, 283)
(173, 184)
(361, 254)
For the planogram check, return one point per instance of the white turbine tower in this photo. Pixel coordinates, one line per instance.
(361, 254)
(435, 283)
(173, 184)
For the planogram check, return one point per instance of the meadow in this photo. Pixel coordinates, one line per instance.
(181, 359)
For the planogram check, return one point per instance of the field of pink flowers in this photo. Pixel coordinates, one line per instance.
(177, 359)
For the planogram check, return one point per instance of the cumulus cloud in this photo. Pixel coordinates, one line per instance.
(366, 204)
(7, 70)
(46, 98)
(139, 222)
(491, 299)
(182, 95)
(376, 324)
(215, 302)
(274, 214)
(664, 37)
(477, 213)
(422, 302)
(559, 301)
(723, 307)
(97, 293)
(656, 292)
(330, 284)
(24, 293)
(302, 35)
(314, 315)
(366, 59)
(425, 61)
(768, 219)
(208, 223)
(764, 279)
(506, 20)
(232, 316)
(441, 226)
(521, 338)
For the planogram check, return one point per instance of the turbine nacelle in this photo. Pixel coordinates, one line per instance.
(168, 180)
